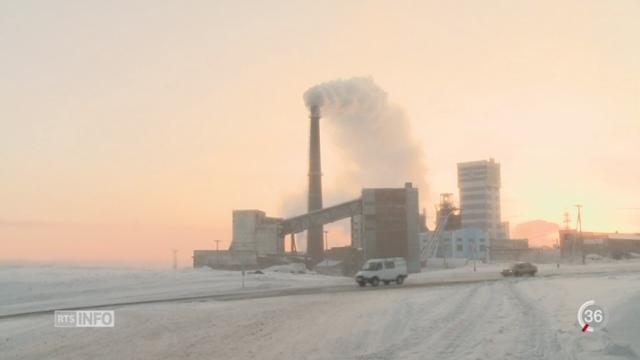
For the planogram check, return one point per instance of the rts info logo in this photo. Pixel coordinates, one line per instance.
(84, 318)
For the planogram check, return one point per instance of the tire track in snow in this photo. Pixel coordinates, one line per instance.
(452, 341)
(542, 342)
(422, 325)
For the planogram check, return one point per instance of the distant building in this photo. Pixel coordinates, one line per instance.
(390, 224)
(509, 250)
(479, 185)
(574, 244)
(212, 258)
(385, 223)
(255, 233)
(470, 243)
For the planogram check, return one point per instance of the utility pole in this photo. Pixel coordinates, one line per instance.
(558, 253)
(567, 220)
(474, 255)
(326, 246)
(579, 226)
(243, 274)
(217, 252)
(579, 207)
(567, 227)
(175, 259)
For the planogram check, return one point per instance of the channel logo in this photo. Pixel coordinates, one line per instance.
(84, 318)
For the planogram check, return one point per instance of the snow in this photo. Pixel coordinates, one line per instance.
(329, 263)
(560, 298)
(547, 270)
(514, 318)
(35, 288)
(295, 268)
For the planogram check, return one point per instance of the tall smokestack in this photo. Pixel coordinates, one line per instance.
(314, 234)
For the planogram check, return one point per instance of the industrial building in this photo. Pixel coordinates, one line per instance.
(508, 250)
(449, 239)
(214, 259)
(467, 243)
(447, 213)
(474, 230)
(385, 223)
(254, 232)
(575, 244)
(390, 224)
(479, 185)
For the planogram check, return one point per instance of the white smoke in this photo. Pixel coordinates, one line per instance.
(373, 134)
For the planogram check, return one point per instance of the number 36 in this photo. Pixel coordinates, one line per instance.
(591, 316)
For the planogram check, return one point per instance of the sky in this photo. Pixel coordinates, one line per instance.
(131, 128)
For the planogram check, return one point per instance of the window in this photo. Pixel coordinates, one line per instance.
(374, 266)
(389, 265)
(483, 248)
(459, 239)
(459, 247)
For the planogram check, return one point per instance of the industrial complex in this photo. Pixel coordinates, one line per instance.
(386, 222)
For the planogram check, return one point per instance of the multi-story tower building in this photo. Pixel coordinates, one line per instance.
(479, 184)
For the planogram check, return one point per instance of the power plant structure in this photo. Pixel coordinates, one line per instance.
(385, 222)
(314, 199)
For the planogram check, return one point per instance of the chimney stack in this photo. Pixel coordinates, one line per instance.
(315, 247)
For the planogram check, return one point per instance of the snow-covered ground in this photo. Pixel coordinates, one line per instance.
(523, 318)
(35, 288)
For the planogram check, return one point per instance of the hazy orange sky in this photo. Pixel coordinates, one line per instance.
(131, 128)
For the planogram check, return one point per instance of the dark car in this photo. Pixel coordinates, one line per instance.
(520, 269)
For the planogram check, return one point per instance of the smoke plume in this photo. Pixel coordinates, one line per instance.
(373, 134)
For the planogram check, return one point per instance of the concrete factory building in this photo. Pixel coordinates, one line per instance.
(390, 225)
(479, 184)
(254, 232)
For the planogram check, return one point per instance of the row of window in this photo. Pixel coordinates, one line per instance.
(471, 240)
(481, 196)
(478, 206)
(459, 248)
(479, 188)
(480, 216)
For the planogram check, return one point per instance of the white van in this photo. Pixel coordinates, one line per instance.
(385, 270)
